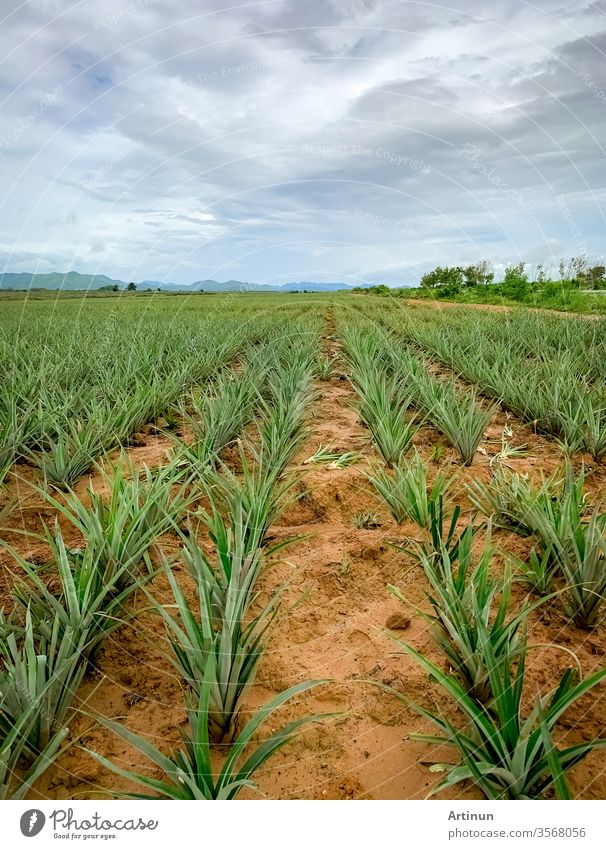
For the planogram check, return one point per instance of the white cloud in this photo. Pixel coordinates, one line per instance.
(189, 140)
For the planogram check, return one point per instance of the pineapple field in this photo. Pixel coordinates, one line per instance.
(300, 546)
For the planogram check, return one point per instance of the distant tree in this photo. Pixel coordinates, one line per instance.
(132, 287)
(379, 289)
(480, 274)
(447, 280)
(515, 283)
(593, 277)
(115, 288)
(574, 269)
(432, 279)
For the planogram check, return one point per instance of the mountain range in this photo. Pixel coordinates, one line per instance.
(73, 281)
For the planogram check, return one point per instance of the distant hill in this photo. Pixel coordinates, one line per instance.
(198, 286)
(313, 287)
(241, 286)
(73, 281)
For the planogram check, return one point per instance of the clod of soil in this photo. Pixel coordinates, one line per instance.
(397, 622)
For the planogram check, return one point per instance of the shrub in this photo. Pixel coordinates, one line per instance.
(515, 283)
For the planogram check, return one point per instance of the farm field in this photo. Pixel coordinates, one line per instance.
(335, 547)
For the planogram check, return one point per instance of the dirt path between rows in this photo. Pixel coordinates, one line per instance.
(335, 628)
(340, 606)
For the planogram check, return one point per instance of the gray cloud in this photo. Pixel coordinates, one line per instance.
(354, 139)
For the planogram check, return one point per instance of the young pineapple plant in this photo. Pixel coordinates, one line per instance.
(554, 518)
(254, 499)
(581, 555)
(218, 632)
(233, 561)
(393, 435)
(39, 678)
(120, 528)
(407, 492)
(385, 398)
(90, 604)
(463, 597)
(445, 537)
(461, 420)
(593, 425)
(552, 512)
(18, 773)
(508, 496)
(217, 416)
(282, 422)
(570, 548)
(324, 368)
(506, 750)
(540, 571)
(383, 408)
(189, 773)
(14, 431)
(71, 450)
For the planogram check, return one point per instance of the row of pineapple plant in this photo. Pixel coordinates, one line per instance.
(505, 747)
(216, 643)
(568, 552)
(101, 376)
(391, 381)
(48, 640)
(546, 370)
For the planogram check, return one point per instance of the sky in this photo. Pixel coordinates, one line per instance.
(300, 140)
